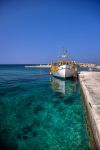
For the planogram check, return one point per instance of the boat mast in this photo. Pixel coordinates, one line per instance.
(63, 56)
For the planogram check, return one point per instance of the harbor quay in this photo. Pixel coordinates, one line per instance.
(97, 66)
(87, 65)
(90, 87)
(38, 66)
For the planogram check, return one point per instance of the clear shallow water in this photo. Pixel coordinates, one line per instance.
(38, 112)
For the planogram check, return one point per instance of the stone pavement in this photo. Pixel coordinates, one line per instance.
(90, 85)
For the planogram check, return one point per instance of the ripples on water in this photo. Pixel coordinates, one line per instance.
(38, 112)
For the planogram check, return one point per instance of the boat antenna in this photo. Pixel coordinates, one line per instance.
(64, 55)
(65, 51)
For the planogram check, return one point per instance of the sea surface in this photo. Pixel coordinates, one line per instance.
(40, 112)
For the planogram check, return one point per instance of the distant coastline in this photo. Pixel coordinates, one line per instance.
(88, 65)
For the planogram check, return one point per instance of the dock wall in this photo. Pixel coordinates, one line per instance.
(90, 86)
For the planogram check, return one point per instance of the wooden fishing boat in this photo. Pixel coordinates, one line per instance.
(63, 68)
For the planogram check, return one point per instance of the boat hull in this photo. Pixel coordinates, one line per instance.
(64, 71)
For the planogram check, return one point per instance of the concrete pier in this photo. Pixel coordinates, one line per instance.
(90, 86)
(38, 66)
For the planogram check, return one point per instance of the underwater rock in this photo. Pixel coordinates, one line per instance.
(20, 117)
(19, 135)
(58, 95)
(2, 94)
(29, 100)
(61, 108)
(22, 135)
(8, 144)
(25, 137)
(70, 100)
(56, 103)
(38, 108)
(29, 103)
(28, 129)
(36, 122)
(3, 131)
(1, 103)
(34, 133)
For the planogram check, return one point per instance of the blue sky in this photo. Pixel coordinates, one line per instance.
(34, 31)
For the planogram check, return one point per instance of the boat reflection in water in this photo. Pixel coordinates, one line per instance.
(59, 86)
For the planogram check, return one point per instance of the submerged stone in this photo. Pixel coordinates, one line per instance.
(28, 129)
(38, 109)
(29, 100)
(69, 100)
(25, 137)
(36, 122)
(19, 136)
(34, 133)
(1, 103)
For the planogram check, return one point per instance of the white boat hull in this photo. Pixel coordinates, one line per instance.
(64, 71)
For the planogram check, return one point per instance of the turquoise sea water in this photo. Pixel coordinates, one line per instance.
(38, 112)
